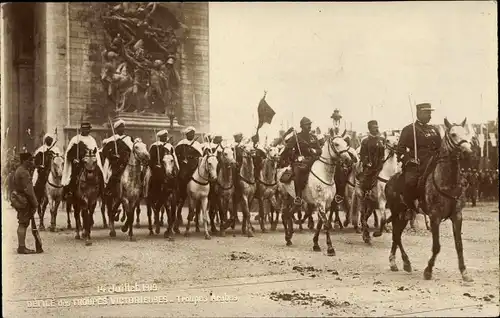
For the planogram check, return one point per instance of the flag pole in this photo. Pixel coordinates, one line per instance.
(414, 132)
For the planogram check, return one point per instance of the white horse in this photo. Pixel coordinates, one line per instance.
(54, 188)
(199, 187)
(319, 190)
(267, 187)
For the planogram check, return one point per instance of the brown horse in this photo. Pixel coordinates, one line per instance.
(444, 198)
(87, 192)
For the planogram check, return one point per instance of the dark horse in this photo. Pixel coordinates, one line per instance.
(88, 189)
(44, 162)
(443, 197)
(160, 178)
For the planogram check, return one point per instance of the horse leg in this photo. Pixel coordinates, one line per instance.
(427, 224)
(289, 223)
(137, 220)
(347, 213)
(103, 214)
(41, 227)
(172, 204)
(192, 206)
(383, 220)
(436, 247)
(212, 211)
(456, 221)
(222, 205)
(129, 208)
(365, 214)
(53, 213)
(375, 219)
(87, 217)
(78, 222)
(246, 217)
(124, 215)
(330, 250)
(178, 220)
(299, 216)
(273, 207)
(111, 216)
(162, 219)
(157, 211)
(68, 211)
(150, 225)
(262, 217)
(204, 210)
(319, 226)
(404, 256)
(197, 217)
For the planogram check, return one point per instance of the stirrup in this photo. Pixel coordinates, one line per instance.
(297, 201)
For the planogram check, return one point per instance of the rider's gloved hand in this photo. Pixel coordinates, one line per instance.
(76, 161)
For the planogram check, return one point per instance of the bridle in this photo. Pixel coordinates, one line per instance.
(142, 162)
(454, 149)
(331, 147)
(209, 179)
(275, 160)
(51, 173)
(225, 165)
(246, 154)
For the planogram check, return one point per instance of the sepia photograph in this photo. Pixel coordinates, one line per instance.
(249, 159)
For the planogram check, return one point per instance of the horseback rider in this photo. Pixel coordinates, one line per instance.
(24, 188)
(189, 150)
(116, 159)
(303, 150)
(162, 142)
(337, 121)
(42, 155)
(75, 154)
(371, 156)
(428, 142)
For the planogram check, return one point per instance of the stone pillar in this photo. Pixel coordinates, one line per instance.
(8, 95)
(56, 102)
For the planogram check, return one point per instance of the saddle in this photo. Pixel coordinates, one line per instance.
(287, 176)
(431, 164)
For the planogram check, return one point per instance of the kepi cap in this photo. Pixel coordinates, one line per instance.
(372, 122)
(305, 121)
(424, 107)
(85, 124)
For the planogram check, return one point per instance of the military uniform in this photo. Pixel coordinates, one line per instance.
(77, 147)
(188, 152)
(302, 151)
(43, 157)
(371, 156)
(472, 180)
(428, 143)
(23, 188)
(116, 159)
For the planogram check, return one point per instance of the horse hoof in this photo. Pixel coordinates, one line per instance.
(177, 231)
(264, 230)
(132, 239)
(208, 237)
(222, 233)
(336, 226)
(273, 228)
(41, 228)
(288, 243)
(377, 234)
(316, 248)
(250, 234)
(112, 233)
(52, 229)
(88, 243)
(197, 230)
(124, 228)
(358, 230)
(466, 277)
(151, 233)
(161, 223)
(427, 274)
(77, 236)
(394, 268)
(69, 227)
(407, 268)
(186, 234)
(157, 230)
(346, 223)
(137, 226)
(330, 252)
(105, 226)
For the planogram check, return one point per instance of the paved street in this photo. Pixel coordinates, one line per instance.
(240, 276)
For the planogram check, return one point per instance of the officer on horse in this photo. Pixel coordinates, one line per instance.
(428, 142)
(371, 156)
(303, 150)
(116, 150)
(74, 155)
(188, 150)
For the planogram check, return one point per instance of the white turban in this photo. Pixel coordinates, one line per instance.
(118, 123)
(189, 129)
(161, 133)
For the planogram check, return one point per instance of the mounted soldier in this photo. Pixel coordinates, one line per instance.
(43, 156)
(116, 151)
(188, 151)
(371, 156)
(428, 142)
(337, 122)
(303, 150)
(162, 144)
(77, 148)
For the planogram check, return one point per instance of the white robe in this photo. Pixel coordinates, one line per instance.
(107, 166)
(43, 148)
(169, 147)
(195, 144)
(91, 144)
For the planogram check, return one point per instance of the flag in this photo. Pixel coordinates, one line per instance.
(265, 112)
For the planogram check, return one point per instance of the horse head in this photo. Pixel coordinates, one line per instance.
(90, 159)
(273, 153)
(227, 156)
(456, 138)
(57, 167)
(391, 143)
(337, 149)
(140, 151)
(169, 165)
(209, 162)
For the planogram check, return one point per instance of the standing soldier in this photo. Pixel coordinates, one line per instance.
(428, 142)
(302, 150)
(77, 147)
(116, 159)
(371, 156)
(23, 200)
(472, 188)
